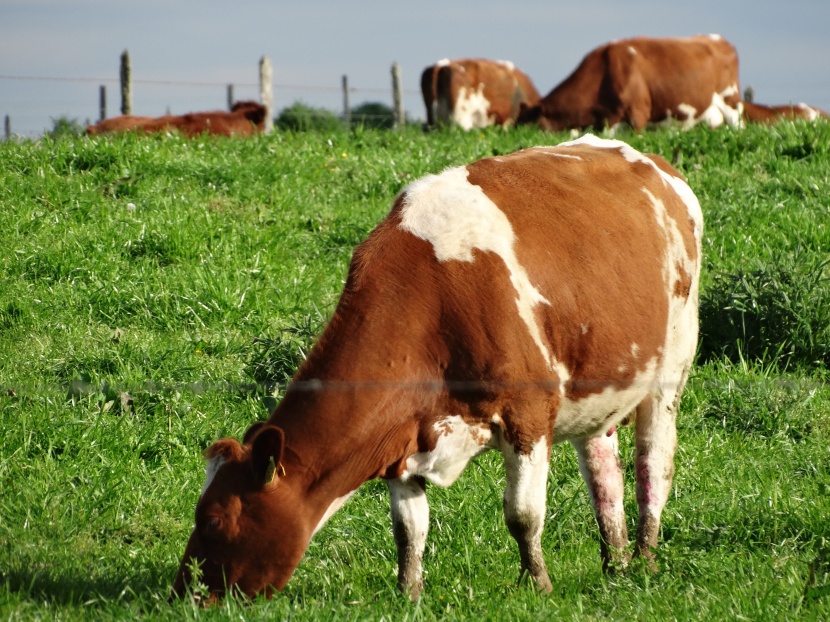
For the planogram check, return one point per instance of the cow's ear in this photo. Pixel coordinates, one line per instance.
(266, 454)
(256, 427)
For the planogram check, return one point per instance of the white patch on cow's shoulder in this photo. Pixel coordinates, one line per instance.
(508, 64)
(443, 62)
(456, 217)
(472, 109)
(458, 443)
(632, 50)
(715, 37)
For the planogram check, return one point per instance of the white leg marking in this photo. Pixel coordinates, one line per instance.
(600, 467)
(410, 522)
(524, 506)
(656, 442)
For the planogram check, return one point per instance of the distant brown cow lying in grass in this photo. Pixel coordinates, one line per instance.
(246, 117)
(759, 113)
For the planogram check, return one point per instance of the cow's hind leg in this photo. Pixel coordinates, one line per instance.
(600, 466)
(410, 523)
(524, 507)
(655, 437)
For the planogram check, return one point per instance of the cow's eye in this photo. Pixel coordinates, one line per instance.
(212, 526)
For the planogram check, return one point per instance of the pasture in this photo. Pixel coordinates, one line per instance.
(157, 293)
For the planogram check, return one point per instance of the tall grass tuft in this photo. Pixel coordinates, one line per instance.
(778, 307)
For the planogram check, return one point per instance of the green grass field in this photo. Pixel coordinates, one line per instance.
(156, 293)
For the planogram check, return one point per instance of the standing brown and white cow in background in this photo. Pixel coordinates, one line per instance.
(644, 81)
(475, 93)
(510, 304)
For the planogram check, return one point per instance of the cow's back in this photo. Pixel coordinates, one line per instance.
(575, 265)
(680, 74)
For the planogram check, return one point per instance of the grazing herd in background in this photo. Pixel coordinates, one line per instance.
(638, 82)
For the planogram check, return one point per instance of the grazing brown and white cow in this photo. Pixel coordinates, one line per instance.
(644, 81)
(510, 304)
(760, 113)
(245, 117)
(475, 92)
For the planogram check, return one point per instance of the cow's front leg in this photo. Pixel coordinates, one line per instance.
(600, 466)
(524, 507)
(410, 523)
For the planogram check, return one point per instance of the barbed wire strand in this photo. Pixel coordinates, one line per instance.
(158, 82)
(274, 388)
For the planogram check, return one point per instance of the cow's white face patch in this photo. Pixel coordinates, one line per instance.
(456, 217)
(472, 109)
(458, 443)
(213, 465)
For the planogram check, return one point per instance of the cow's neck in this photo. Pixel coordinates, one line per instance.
(350, 414)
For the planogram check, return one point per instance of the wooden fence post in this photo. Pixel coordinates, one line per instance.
(230, 96)
(126, 84)
(266, 92)
(397, 96)
(8, 127)
(347, 111)
(102, 102)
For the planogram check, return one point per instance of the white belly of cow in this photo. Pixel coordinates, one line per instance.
(596, 413)
(458, 443)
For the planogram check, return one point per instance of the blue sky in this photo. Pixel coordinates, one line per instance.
(55, 53)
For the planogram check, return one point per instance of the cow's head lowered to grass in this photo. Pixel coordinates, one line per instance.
(510, 304)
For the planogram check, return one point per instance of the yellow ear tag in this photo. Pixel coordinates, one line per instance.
(272, 469)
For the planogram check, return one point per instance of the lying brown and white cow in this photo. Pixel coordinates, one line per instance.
(245, 117)
(475, 92)
(645, 81)
(510, 304)
(760, 113)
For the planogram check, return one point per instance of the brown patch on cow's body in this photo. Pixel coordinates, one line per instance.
(584, 293)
